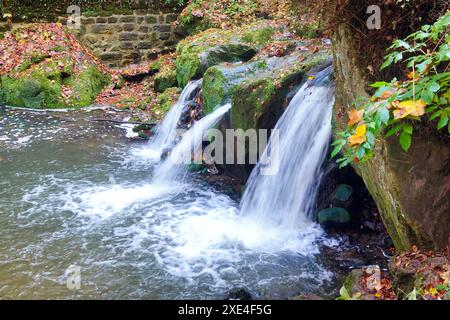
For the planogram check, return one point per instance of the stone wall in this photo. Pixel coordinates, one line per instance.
(124, 39)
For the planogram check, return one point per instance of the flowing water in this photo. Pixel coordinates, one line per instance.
(189, 146)
(286, 199)
(166, 131)
(75, 194)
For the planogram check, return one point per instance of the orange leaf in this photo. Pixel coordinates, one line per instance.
(355, 116)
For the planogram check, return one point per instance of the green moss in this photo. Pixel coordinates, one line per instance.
(86, 86)
(59, 49)
(41, 86)
(350, 282)
(35, 93)
(188, 66)
(33, 59)
(213, 89)
(166, 78)
(167, 99)
(260, 36)
(249, 100)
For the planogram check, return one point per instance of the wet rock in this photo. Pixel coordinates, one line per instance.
(196, 167)
(333, 217)
(354, 288)
(341, 196)
(239, 294)
(259, 91)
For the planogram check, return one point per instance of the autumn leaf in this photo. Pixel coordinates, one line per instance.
(355, 116)
(359, 137)
(409, 108)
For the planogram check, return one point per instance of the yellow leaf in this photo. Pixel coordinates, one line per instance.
(359, 137)
(355, 116)
(409, 108)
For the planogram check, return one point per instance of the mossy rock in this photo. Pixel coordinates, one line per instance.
(86, 86)
(167, 99)
(165, 79)
(333, 216)
(259, 36)
(193, 65)
(35, 93)
(41, 86)
(213, 89)
(249, 101)
(341, 196)
(215, 46)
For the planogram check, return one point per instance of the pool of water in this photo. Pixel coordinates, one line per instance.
(78, 195)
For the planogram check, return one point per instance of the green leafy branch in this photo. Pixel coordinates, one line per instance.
(396, 105)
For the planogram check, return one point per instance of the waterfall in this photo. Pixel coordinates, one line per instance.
(191, 143)
(166, 131)
(286, 199)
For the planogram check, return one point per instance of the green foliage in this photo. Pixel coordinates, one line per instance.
(396, 105)
(344, 295)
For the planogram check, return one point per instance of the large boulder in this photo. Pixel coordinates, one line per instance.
(411, 189)
(214, 46)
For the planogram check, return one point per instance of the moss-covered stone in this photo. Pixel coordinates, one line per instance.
(165, 79)
(86, 86)
(249, 101)
(41, 86)
(215, 46)
(333, 216)
(259, 36)
(213, 89)
(35, 93)
(167, 99)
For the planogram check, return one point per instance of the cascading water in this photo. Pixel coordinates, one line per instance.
(191, 144)
(137, 232)
(166, 131)
(286, 199)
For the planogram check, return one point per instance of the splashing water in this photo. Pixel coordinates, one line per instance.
(191, 143)
(286, 199)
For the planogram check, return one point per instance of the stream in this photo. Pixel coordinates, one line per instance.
(80, 194)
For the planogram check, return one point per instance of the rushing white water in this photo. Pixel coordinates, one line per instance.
(287, 198)
(166, 131)
(189, 146)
